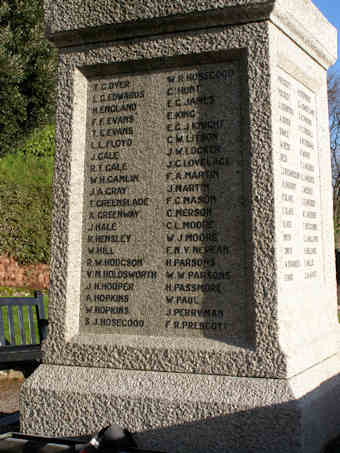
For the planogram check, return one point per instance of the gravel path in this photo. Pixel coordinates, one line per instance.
(9, 395)
(9, 403)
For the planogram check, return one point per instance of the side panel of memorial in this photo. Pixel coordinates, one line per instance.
(304, 242)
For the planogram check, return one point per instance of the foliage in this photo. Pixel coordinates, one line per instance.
(334, 123)
(27, 99)
(6, 291)
(27, 72)
(39, 143)
(26, 170)
(25, 207)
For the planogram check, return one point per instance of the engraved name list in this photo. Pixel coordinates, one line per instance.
(299, 212)
(163, 222)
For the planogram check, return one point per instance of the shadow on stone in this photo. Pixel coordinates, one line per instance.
(249, 420)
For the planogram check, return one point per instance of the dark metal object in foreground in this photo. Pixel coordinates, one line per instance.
(10, 419)
(23, 443)
(9, 422)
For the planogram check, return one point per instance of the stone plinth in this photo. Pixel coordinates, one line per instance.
(192, 277)
(189, 412)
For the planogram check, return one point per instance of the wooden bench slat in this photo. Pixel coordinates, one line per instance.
(23, 350)
(16, 353)
(21, 324)
(40, 304)
(11, 325)
(31, 325)
(21, 300)
(2, 329)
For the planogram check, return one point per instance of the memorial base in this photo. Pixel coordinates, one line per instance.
(188, 413)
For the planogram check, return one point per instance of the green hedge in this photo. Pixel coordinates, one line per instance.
(40, 143)
(26, 205)
(25, 222)
(27, 72)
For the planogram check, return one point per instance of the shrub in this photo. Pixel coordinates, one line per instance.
(27, 72)
(39, 143)
(25, 207)
(26, 170)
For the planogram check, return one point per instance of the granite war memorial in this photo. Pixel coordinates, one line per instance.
(193, 295)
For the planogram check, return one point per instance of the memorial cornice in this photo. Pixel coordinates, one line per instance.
(89, 22)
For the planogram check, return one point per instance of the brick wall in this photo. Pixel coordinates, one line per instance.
(35, 276)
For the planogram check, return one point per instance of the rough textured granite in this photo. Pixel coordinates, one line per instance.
(77, 14)
(276, 390)
(261, 355)
(81, 23)
(188, 413)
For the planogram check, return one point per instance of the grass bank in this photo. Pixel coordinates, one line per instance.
(26, 199)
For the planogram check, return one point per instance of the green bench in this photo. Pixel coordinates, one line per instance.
(23, 326)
